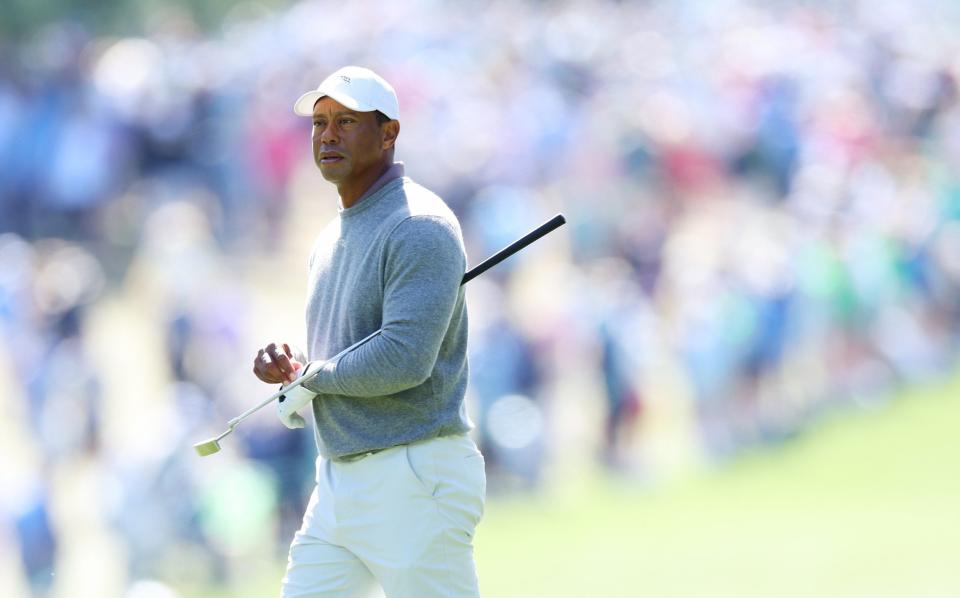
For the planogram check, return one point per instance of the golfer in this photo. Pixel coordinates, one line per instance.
(400, 485)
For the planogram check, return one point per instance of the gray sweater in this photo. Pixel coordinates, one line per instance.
(394, 260)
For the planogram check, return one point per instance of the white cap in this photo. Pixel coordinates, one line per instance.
(356, 88)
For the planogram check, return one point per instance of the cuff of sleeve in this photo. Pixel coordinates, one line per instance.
(322, 378)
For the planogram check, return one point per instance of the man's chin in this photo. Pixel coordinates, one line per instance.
(332, 172)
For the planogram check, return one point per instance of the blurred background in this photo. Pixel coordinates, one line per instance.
(736, 364)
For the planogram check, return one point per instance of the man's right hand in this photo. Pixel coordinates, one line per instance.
(275, 364)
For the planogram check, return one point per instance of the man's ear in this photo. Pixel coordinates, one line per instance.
(390, 131)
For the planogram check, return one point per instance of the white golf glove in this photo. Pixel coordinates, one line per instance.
(290, 402)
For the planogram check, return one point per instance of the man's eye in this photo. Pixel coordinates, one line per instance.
(346, 121)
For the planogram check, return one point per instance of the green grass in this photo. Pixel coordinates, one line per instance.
(865, 504)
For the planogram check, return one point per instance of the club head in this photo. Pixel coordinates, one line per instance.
(207, 447)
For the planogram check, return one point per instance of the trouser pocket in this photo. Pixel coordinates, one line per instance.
(420, 466)
(452, 471)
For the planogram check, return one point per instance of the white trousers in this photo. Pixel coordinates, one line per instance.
(400, 522)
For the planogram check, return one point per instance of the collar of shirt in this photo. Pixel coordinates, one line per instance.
(394, 172)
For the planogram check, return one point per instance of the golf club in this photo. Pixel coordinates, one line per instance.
(212, 445)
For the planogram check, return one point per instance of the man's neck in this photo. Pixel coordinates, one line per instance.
(351, 193)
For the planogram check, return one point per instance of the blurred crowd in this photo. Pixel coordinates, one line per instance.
(764, 224)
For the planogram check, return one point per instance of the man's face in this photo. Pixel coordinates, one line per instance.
(347, 144)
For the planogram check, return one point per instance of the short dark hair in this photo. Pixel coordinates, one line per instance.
(381, 117)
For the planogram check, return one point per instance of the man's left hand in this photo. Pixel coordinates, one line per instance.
(292, 401)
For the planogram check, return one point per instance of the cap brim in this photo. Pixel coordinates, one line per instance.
(305, 103)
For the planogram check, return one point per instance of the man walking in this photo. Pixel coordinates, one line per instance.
(400, 486)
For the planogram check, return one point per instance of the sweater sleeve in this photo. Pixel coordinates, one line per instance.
(423, 265)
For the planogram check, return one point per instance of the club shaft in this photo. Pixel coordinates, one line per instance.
(514, 247)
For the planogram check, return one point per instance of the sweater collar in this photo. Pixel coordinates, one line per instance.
(391, 174)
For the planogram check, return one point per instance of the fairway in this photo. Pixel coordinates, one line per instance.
(864, 504)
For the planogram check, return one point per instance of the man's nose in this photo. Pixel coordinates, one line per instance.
(328, 134)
